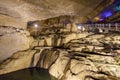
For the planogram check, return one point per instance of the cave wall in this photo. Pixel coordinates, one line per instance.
(18, 12)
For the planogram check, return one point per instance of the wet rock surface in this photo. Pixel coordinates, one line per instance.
(67, 55)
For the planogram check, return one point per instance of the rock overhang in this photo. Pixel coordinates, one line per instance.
(19, 12)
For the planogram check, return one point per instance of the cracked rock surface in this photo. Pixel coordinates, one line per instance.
(67, 55)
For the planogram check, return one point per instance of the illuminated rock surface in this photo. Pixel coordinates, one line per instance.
(66, 53)
(13, 40)
(17, 12)
(86, 56)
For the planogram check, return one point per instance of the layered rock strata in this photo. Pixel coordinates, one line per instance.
(67, 55)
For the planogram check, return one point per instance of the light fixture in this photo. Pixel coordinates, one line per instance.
(35, 25)
(79, 27)
(107, 14)
(96, 18)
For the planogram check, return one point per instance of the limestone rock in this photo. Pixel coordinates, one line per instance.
(47, 58)
(57, 69)
(17, 61)
(78, 66)
(72, 36)
(74, 27)
(13, 40)
(69, 56)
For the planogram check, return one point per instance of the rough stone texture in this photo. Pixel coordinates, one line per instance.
(59, 67)
(47, 58)
(72, 36)
(68, 55)
(13, 40)
(17, 61)
(86, 57)
(17, 12)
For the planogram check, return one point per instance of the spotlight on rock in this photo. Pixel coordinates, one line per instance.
(34, 27)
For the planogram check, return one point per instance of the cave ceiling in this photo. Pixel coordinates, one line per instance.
(19, 12)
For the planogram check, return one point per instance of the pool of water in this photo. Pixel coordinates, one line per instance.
(28, 74)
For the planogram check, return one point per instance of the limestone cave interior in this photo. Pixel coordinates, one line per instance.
(59, 39)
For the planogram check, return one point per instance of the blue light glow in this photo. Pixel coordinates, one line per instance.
(117, 8)
(107, 14)
(111, 10)
(101, 19)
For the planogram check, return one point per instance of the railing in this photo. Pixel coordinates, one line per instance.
(105, 27)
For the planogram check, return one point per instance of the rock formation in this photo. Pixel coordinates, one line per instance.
(51, 39)
(68, 55)
(18, 12)
(13, 40)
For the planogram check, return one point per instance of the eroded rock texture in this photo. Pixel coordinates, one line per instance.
(17, 12)
(13, 40)
(57, 46)
(68, 55)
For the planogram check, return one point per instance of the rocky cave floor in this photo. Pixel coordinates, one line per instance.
(67, 56)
